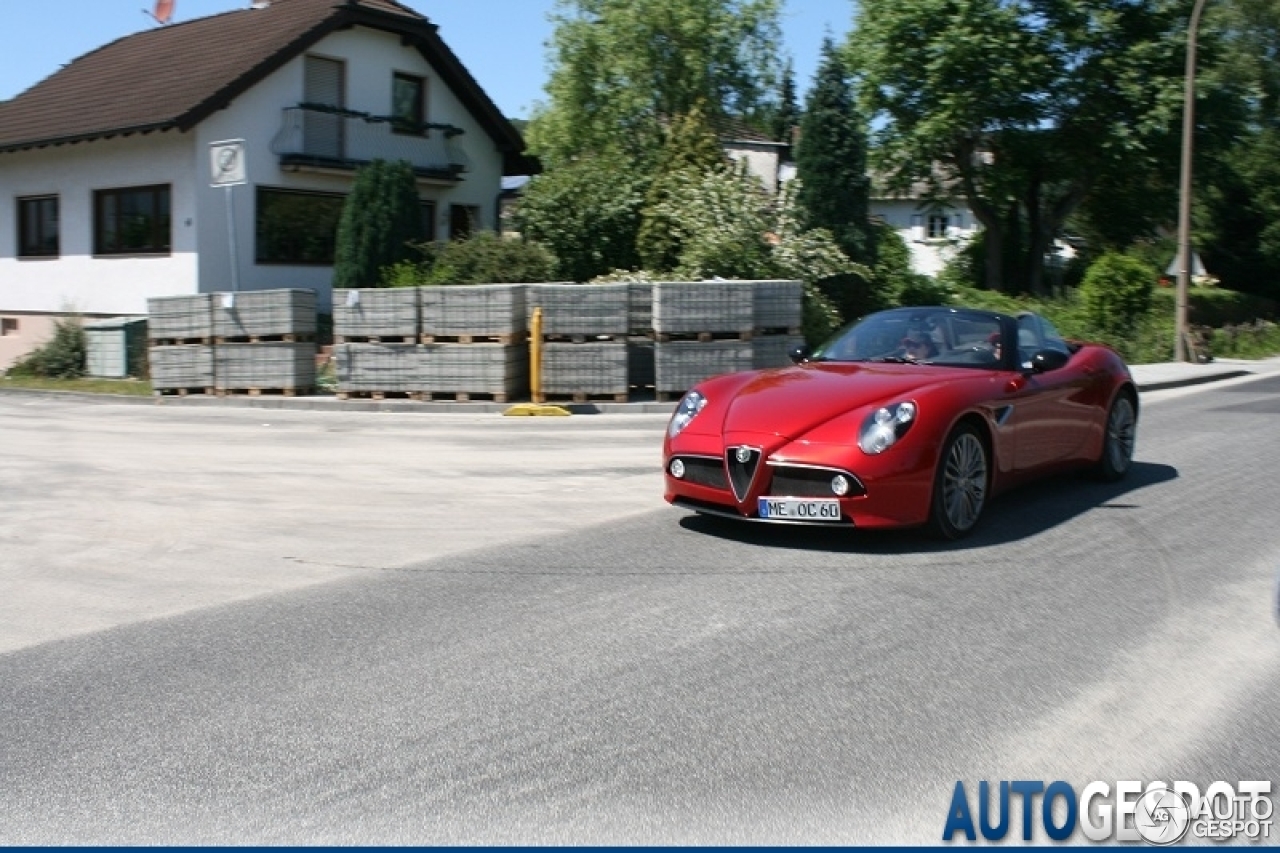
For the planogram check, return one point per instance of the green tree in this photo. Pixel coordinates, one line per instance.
(786, 116)
(621, 68)
(1020, 107)
(691, 150)
(831, 160)
(587, 213)
(380, 218)
(1238, 192)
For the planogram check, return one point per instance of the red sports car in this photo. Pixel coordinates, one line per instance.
(913, 416)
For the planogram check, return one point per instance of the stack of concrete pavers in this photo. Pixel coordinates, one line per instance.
(474, 341)
(180, 343)
(376, 315)
(584, 339)
(287, 368)
(181, 368)
(377, 368)
(375, 333)
(701, 328)
(465, 371)
(449, 341)
(778, 314)
(285, 315)
(265, 341)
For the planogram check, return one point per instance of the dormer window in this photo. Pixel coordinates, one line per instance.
(409, 103)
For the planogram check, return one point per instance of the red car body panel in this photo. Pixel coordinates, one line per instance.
(809, 416)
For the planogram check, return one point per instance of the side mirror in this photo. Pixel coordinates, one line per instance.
(1049, 359)
(799, 353)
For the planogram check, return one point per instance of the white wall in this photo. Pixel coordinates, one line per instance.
(928, 255)
(77, 281)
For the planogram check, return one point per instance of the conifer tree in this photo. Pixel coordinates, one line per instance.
(831, 160)
(380, 218)
(786, 117)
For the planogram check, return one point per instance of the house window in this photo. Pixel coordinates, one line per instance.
(296, 227)
(324, 85)
(408, 103)
(38, 227)
(8, 326)
(135, 220)
(938, 223)
(464, 219)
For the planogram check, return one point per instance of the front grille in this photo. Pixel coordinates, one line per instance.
(705, 471)
(796, 482)
(741, 473)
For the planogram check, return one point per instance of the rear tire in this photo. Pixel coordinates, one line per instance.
(960, 484)
(1118, 440)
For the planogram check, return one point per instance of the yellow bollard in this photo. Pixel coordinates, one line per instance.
(535, 356)
(535, 377)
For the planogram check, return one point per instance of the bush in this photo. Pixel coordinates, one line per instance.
(1116, 292)
(588, 214)
(1253, 340)
(1216, 306)
(482, 258)
(62, 357)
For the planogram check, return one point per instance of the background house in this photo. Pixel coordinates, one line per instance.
(108, 167)
(934, 229)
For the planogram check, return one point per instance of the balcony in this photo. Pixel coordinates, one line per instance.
(329, 139)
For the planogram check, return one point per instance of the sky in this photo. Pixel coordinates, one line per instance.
(501, 42)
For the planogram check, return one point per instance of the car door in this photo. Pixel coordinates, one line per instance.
(1051, 409)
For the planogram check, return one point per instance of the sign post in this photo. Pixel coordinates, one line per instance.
(227, 169)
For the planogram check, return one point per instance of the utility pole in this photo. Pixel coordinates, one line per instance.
(1181, 330)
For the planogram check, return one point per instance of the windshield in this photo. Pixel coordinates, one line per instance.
(943, 336)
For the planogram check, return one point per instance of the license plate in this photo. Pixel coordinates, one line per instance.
(792, 509)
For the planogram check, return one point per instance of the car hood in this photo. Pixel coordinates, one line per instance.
(791, 401)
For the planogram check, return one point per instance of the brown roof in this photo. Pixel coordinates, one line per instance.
(174, 77)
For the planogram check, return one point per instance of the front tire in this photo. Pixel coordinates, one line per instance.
(960, 485)
(1119, 440)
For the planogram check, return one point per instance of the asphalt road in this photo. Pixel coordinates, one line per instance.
(230, 626)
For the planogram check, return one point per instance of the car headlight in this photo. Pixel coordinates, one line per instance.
(690, 405)
(883, 427)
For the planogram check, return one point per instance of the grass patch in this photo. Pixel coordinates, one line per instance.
(128, 387)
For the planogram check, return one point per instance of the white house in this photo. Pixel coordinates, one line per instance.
(214, 155)
(934, 230)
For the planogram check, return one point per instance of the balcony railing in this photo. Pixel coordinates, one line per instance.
(332, 138)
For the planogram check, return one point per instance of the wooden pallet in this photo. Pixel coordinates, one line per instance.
(619, 337)
(703, 337)
(182, 392)
(179, 342)
(379, 395)
(506, 339)
(466, 396)
(260, 392)
(584, 397)
(375, 339)
(264, 339)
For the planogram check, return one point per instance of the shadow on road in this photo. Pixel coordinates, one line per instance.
(1015, 515)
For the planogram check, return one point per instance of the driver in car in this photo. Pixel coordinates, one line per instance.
(919, 346)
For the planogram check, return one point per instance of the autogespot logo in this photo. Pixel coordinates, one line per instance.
(1130, 811)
